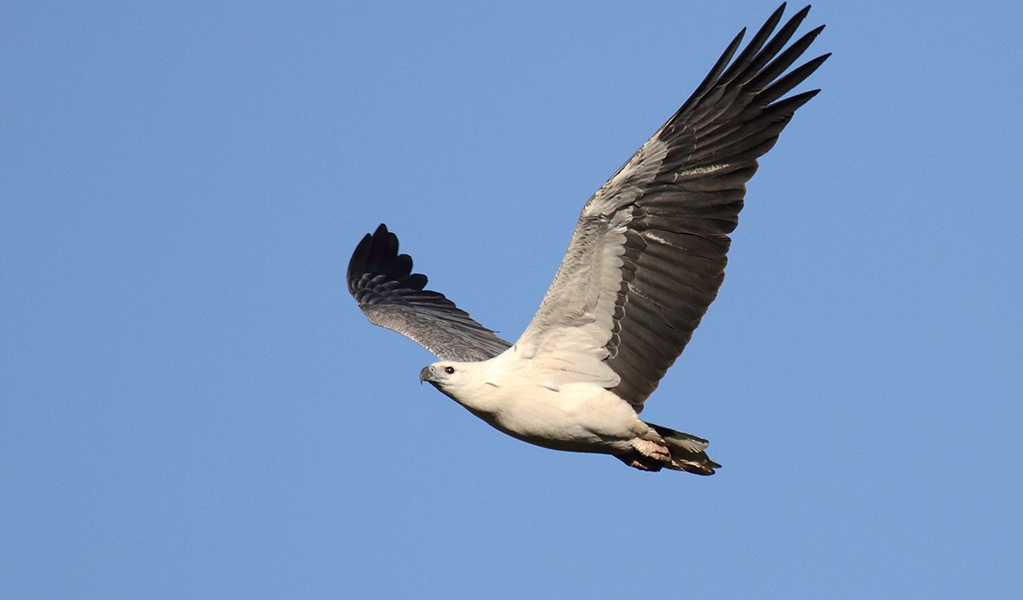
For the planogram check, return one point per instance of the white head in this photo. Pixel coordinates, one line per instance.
(463, 382)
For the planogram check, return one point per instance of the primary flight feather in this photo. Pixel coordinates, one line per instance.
(645, 261)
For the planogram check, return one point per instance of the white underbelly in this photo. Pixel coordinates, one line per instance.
(583, 417)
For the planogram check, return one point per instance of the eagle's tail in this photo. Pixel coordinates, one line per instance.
(668, 449)
(687, 451)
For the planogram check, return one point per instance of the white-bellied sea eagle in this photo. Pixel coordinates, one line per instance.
(645, 261)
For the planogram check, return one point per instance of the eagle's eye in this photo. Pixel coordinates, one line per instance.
(449, 370)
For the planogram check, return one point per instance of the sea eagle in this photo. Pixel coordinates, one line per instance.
(645, 261)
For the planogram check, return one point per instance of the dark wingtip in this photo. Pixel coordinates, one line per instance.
(368, 253)
(377, 254)
(357, 264)
(384, 251)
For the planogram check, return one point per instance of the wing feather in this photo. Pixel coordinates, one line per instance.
(649, 250)
(391, 296)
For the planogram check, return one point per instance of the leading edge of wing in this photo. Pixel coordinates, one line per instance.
(649, 250)
(391, 296)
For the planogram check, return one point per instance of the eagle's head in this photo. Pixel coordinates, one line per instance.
(467, 383)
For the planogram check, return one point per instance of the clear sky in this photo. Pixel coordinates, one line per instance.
(191, 405)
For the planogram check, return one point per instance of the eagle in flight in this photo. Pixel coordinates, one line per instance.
(645, 261)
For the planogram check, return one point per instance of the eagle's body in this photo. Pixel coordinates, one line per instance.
(534, 406)
(547, 409)
(646, 260)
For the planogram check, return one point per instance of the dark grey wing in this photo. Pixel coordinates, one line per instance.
(382, 282)
(648, 253)
(678, 237)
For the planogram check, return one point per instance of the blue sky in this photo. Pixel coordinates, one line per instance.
(191, 406)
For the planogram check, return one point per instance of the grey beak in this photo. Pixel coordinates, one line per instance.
(425, 374)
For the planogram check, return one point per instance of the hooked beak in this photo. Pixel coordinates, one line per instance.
(425, 374)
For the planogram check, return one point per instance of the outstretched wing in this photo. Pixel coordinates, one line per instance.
(382, 282)
(648, 253)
